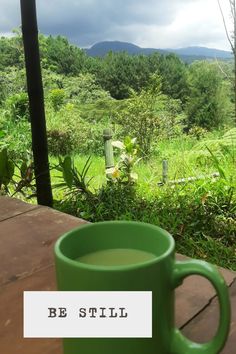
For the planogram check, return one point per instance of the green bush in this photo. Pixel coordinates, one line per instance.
(89, 138)
(57, 97)
(59, 142)
(208, 104)
(16, 137)
(197, 132)
(138, 116)
(18, 106)
(84, 137)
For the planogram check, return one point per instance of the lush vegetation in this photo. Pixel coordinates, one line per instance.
(158, 108)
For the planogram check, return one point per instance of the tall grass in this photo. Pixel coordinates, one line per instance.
(201, 215)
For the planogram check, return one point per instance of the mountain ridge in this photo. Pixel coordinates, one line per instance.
(102, 48)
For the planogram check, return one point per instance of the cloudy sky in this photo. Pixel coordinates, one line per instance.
(148, 23)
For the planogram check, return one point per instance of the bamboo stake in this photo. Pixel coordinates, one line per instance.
(164, 171)
(109, 158)
(190, 179)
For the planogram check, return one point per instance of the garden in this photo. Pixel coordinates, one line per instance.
(173, 139)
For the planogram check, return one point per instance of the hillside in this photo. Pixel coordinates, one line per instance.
(188, 54)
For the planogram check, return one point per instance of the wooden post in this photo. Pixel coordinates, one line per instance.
(36, 102)
(164, 171)
(109, 158)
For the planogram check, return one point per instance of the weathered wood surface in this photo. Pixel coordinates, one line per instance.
(27, 236)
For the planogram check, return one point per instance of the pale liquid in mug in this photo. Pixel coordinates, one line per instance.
(116, 257)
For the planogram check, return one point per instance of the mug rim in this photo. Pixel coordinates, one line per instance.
(106, 268)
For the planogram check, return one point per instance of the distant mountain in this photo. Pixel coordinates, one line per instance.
(188, 54)
(202, 51)
(102, 48)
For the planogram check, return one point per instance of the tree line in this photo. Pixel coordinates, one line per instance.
(204, 92)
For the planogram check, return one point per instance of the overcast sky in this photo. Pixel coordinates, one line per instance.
(147, 23)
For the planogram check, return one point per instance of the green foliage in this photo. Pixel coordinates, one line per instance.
(154, 98)
(197, 132)
(230, 137)
(171, 118)
(121, 72)
(192, 213)
(24, 182)
(116, 74)
(16, 175)
(12, 81)
(11, 51)
(123, 171)
(76, 181)
(207, 105)
(138, 116)
(51, 80)
(6, 170)
(62, 57)
(82, 118)
(85, 136)
(59, 142)
(120, 184)
(56, 97)
(84, 89)
(217, 164)
(16, 136)
(18, 106)
(223, 148)
(174, 76)
(90, 137)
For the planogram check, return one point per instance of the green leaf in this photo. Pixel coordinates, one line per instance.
(6, 168)
(3, 161)
(67, 171)
(23, 169)
(2, 134)
(10, 168)
(217, 164)
(127, 140)
(86, 167)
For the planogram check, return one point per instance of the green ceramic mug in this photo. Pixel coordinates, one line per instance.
(160, 274)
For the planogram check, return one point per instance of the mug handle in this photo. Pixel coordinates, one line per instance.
(182, 345)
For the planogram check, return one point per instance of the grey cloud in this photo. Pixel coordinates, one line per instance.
(88, 21)
(9, 15)
(85, 22)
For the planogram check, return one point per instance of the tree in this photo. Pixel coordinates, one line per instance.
(11, 51)
(208, 104)
(231, 39)
(121, 73)
(174, 76)
(117, 74)
(138, 115)
(61, 56)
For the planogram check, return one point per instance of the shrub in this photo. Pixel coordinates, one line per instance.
(59, 142)
(208, 105)
(57, 97)
(84, 137)
(16, 137)
(197, 132)
(138, 116)
(18, 106)
(89, 138)
(84, 89)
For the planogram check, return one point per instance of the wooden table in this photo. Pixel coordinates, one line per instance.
(27, 236)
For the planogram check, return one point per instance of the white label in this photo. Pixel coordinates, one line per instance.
(80, 314)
